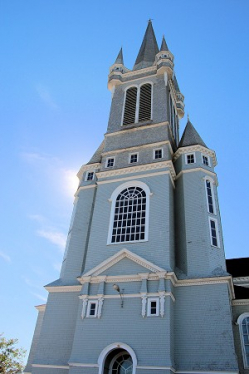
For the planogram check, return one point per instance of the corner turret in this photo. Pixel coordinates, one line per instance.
(116, 71)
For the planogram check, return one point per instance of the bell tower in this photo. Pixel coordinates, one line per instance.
(144, 267)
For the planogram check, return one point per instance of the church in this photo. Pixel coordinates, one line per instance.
(144, 286)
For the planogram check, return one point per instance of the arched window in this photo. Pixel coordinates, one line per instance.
(117, 358)
(137, 106)
(130, 106)
(121, 364)
(129, 214)
(243, 322)
(145, 103)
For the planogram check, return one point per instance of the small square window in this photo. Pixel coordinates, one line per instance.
(153, 307)
(158, 153)
(89, 176)
(92, 309)
(133, 158)
(110, 162)
(205, 160)
(190, 158)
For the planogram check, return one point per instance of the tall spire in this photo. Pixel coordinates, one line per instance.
(148, 49)
(119, 59)
(164, 46)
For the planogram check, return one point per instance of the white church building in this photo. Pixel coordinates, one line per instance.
(145, 287)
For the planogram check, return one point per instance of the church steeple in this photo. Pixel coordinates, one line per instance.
(164, 47)
(191, 137)
(148, 50)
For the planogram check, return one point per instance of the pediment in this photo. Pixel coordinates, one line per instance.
(124, 262)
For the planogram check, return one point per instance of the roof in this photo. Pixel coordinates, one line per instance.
(164, 46)
(97, 155)
(238, 267)
(119, 59)
(191, 137)
(148, 50)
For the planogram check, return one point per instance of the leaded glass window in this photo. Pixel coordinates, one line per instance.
(129, 216)
(122, 365)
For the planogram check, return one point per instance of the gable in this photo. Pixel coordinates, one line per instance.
(124, 262)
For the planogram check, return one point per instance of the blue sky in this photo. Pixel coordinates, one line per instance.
(54, 107)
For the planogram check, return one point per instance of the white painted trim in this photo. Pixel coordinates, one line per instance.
(50, 366)
(156, 368)
(92, 302)
(151, 145)
(138, 169)
(186, 158)
(63, 288)
(113, 198)
(216, 230)
(206, 372)
(154, 151)
(78, 364)
(41, 308)
(87, 167)
(240, 302)
(195, 170)
(212, 183)
(139, 127)
(112, 347)
(87, 174)
(139, 176)
(124, 253)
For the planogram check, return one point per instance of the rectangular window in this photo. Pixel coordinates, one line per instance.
(190, 158)
(158, 153)
(92, 309)
(153, 307)
(209, 197)
(205, 160)
(133, 158)
(89, 176)
(214, 233)
(109, 162)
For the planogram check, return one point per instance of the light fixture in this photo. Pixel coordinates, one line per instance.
(116, 288)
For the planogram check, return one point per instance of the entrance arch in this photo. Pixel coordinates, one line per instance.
(117, 358)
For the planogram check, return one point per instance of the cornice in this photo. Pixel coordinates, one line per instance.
(196, 170)
(50, 366)
(41, 307)
(241, 280)
(87, 167)
(240, 302)
(196, 148)
(138, 169)
(149, 145)
(63, 288)
(137, 128)
(147, 175)
(132, 73)
(84, 188)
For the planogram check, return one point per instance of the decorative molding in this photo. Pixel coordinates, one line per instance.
(144, 302)
(84, 306)
(157, 368)
(162, 303)
(41, 307)
(138, 169)
(78, 364)
(197, 169)
(50, 366)
(124, 253)
(240, 302)
(110, 348)
(196, 148)
(137, 128)
(138, 176)
(129, 149)
(87, 167)
(63, 288)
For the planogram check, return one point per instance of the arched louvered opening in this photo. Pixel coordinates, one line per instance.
(129, 216)
(145, 103)
(130, 106)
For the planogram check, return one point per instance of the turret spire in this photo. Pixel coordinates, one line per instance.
(119, 59)
(191, 137)
(148, 49)
(164, 46)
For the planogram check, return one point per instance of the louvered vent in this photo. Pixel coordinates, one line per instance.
(130, 106)
(145, 103)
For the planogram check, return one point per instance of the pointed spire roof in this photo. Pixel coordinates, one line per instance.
(176, 84)
(164, 46)
(148, 49)
(119, 59)
(191, 137)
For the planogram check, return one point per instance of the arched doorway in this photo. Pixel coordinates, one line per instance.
(118, 361)
(117, 358)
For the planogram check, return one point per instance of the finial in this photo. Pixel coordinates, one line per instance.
(150, 20)
(188, 117)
